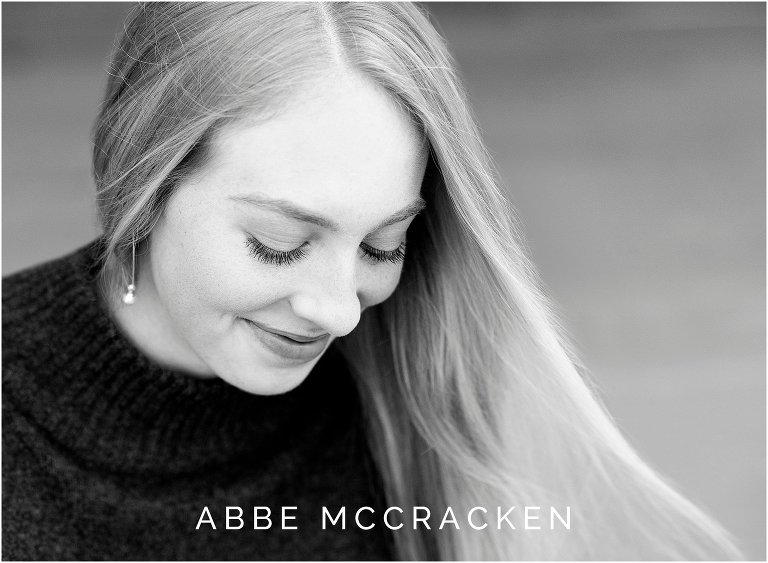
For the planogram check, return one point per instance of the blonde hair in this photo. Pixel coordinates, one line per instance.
(471, 392)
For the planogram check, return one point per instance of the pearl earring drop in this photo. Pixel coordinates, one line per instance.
(130, 296)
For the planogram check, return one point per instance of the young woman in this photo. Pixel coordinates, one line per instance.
(309, 330)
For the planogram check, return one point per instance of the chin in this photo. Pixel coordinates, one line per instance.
(269, 380)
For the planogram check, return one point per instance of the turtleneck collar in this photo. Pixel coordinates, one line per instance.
(97, 395)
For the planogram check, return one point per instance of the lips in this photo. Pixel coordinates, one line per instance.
(295, 348)
(295, 337)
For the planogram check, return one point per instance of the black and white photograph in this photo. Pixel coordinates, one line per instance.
(383, 281)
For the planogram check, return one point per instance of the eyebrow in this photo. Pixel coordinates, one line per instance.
(294, 211)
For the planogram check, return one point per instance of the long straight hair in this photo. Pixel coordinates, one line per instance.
(472, 394)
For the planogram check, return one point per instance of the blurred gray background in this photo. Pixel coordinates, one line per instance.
(631, 138)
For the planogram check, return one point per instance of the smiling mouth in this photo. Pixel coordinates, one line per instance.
(297, 338)
(293, 348)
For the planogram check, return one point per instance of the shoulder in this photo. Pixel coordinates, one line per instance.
(31, 288)
(37, 300)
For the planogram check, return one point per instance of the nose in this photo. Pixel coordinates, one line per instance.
(330, 300)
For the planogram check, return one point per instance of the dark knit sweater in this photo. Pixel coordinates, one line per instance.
(109, 456)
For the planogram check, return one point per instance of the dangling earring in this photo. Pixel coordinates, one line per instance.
(129, 297)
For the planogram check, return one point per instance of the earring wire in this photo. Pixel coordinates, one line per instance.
(129, 296)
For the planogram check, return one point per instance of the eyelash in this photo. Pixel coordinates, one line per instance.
(285, 258)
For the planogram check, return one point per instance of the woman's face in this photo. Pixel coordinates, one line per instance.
(294, 227)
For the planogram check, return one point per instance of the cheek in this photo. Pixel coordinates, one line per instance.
(211, 273)
(376, 284)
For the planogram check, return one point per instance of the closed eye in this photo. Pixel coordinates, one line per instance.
(271, 256)
(376, 255)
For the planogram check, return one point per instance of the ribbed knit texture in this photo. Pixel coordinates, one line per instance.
(109, 456)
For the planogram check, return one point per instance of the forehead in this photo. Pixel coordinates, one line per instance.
(341, 141)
